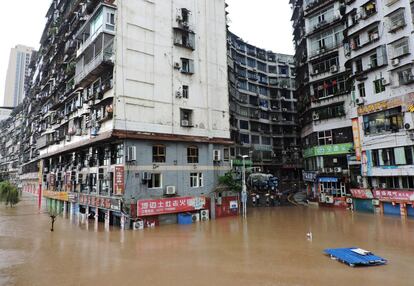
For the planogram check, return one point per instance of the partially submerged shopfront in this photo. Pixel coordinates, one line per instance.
(388, 202)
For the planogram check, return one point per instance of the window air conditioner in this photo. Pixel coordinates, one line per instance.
(170, 190)
(131, 154)
(408, 121)
(329, 200)
(395, 62)
(195, 217)
(185, 123)
(385, 81)
(334, 68)
(204, 215)
(349, 200)
(338, 170)
(359, 101)
(315, 116)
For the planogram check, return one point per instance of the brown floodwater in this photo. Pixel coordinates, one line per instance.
(268, 248)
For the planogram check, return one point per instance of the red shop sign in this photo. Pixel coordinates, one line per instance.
(119, 180)
(394, 195)
(362, 193)
(171, 205)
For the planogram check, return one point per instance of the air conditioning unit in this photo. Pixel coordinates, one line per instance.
(334, 68)
(185, 123)
(329, 200)
(349, 200)
(177, 65)
(322, 198)
(67, 138)
(385, 81)
(131, 154)
(395, 62)
(284, 109)
(170, 190)
(138, 225)
(146, 176)
(178, 94)
(195, 217)
(338, 170)
(204, 215)
(374, 37)
(274, 118)
(315, 116)
(216, 155)
(411, 135)
(359, 101)
(358, 16)
(408, 121)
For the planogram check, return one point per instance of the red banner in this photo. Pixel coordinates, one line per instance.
(170, 205)
(119, 179)
(362, 193)
(394, 195)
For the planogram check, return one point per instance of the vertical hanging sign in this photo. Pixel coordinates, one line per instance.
(119, 180)
(357, 138)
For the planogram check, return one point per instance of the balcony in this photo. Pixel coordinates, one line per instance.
(91, 65)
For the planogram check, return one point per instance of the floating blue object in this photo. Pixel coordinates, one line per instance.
(355, 256)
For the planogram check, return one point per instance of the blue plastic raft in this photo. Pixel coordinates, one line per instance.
(355, 256)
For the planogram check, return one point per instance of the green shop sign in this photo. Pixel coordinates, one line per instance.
(239, 163)
(336, 149)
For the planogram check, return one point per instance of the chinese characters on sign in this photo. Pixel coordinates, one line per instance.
(119, 180)
(357, 138)
(170, 205)
(362, 193)
(394, 195)
(328, 150)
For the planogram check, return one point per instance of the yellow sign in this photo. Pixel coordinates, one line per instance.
(61, 196)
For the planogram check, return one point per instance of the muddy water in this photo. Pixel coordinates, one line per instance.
(269, 248)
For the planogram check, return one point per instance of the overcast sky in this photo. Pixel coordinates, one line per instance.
(265, 23)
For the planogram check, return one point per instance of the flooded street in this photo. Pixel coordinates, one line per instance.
(269, 248)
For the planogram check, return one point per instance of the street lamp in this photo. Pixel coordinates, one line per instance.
(244, 188)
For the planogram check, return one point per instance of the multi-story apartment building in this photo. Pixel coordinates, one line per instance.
(263, 109)
(380, 47)
(17, 72)
(324, 97)
(128, 110)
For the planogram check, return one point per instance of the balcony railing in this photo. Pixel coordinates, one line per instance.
(105, 56)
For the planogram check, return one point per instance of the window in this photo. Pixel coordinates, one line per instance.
(155, 182)
(244, 138)
(361, 89)
(373, 61)
(186, 117)
(406, 76)
(251, 62)
(387, 157)
(399, 155)
(244, 124)
(187, 66)
(369, 9)
(262, 67)
(358, 66)
(255, 139)
(196, 180)
(378, 86)
(158, 154)
(408, 150)
(396, 21)
(192, 155)
(373, 34)
(325, 137)
(375, 158)
(266, 141)
(110, 21)
(185, 91)
(390, 120)
(408, 182)
(401, 48)
(226, 154)
(184, 39)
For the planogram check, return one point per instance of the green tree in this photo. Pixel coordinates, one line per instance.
(9, 194)
(229, 180)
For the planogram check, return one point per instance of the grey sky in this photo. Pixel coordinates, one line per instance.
(265, 23)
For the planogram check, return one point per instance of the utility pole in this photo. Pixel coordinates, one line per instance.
(244, 188)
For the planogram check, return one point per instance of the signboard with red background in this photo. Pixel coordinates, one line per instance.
(394, 195)
(362, 193)
(119, 180)
(170, 205)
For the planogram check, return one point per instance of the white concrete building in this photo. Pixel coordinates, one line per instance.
(17, 72)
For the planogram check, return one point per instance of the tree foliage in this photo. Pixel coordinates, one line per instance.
(9, 194)
(229, 180)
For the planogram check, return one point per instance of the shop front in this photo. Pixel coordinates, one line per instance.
(310, 180)
(332, 192)
(151, 212)
(102, 209)
(362, 200)
(395, 202)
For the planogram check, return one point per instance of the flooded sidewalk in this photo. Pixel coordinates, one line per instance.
(270, 247)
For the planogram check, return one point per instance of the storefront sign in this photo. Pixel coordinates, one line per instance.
(119, 179)
(336, 149)
(61, 196)
(357, 138)
(394, 195)
(328, 180)
(170, 205)
(362, 193)
(239, 163)
(405, 100)
(309, 176)
(234, 205)
(100, 202)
